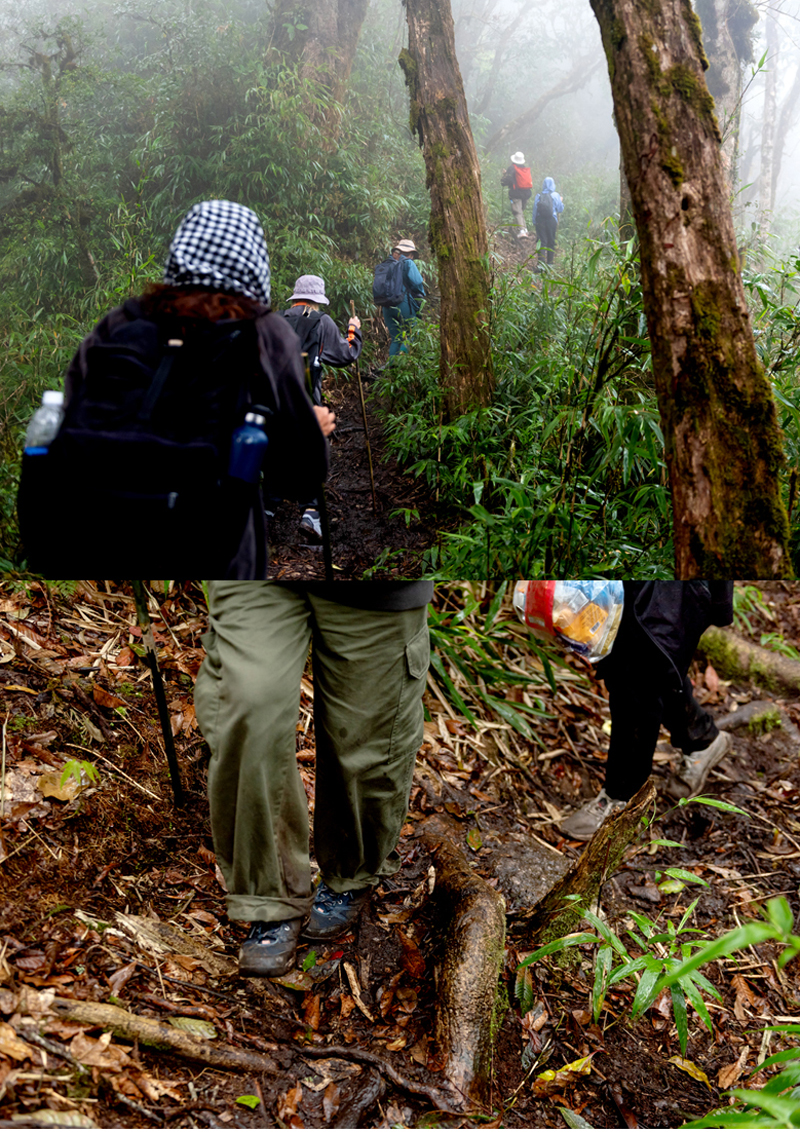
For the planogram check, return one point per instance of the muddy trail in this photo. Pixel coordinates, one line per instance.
(119, 1000)
(403, 519)
(364, 530)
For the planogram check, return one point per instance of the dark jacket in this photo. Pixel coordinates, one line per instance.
(676, 614)
(297, 456)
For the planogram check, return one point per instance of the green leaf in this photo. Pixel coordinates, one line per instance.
(523, 989)
(601, 970)
(309, 961)
(679, 1013)
(646, 991)
(474, 839)
(556, 945)
(249, 1100)
(684, 874)
(572, 1119)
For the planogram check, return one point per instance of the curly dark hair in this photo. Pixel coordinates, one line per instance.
(189, 305)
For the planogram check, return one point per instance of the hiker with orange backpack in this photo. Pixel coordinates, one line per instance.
(517, 178)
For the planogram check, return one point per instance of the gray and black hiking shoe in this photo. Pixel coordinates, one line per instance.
(269, 949)
(311, 524)
(334, 912)
(585, 822)
(690, 777)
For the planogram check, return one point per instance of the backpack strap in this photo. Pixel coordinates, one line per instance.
(164, 369)
(159, 379)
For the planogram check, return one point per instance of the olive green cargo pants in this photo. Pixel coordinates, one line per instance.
(369, 672)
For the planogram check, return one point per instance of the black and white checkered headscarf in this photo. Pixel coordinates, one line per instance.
(220, 245)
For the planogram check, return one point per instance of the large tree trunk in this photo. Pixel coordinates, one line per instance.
(724, 77)
(320, 37)
(458, 225)
(723, 444)
(766, 199)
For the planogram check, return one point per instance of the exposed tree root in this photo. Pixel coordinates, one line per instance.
(555, 915)
(442, 1100)
(151, 1032)
(736, 658)
(474, 933)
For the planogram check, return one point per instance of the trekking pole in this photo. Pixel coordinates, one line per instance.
(366, 426)
(322, 500)
(143, 617)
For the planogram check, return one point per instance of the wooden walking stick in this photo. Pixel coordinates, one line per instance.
(366, 427)
(322, 499)
(143, 617)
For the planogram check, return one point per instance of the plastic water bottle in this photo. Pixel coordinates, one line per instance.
(248, 447)
(45, 423)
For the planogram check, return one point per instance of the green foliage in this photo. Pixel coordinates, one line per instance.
(472, 637)
(748, 600)
(658, 954)
(564, 474)
(665, 962)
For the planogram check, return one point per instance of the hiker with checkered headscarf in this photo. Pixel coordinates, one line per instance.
(217, 272)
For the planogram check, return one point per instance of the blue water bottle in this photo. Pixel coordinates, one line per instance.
(249, 446)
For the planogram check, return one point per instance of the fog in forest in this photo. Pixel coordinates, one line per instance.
(536, 71)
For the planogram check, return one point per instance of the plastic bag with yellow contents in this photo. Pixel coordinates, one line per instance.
(583, 616)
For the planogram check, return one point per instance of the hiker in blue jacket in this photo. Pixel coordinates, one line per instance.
(546, 207)
(398, 319)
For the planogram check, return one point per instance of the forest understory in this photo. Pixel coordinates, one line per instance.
(365, 529)
(111, 898)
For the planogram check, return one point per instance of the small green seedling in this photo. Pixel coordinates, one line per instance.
(76, 768)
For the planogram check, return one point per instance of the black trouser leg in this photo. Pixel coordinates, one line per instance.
(644, 691)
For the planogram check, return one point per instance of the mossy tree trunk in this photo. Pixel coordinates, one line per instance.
(726, 39)
(723, 444)
(458, 226)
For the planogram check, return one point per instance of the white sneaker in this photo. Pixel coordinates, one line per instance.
(691, 775)
(311, 524)
(585, 822)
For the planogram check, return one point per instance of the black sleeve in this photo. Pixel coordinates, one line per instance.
(297, 456)
(334, 349)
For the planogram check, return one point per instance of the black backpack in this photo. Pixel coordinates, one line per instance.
(305, 323)
(387, 283)
(135, 483)
(544, 207)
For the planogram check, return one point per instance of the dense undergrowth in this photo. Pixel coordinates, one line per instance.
(563, 474)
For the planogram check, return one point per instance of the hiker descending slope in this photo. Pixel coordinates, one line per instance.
(517, 178)
(398, 287)
(546, 207)
(323, 346)
(155, 471)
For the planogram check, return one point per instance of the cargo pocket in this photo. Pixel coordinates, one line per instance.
(407, 731)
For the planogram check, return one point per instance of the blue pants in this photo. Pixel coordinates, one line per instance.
(398, 322)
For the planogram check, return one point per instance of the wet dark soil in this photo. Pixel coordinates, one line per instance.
(73, 688)
(368, 532)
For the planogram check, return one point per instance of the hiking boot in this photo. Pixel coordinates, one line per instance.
(311, 524)
(333, 912)
(585, 822)
(269, 949)
(690, 777)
